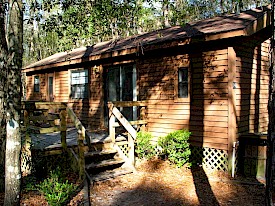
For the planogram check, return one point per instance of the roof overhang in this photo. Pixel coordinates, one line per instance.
(261, 22)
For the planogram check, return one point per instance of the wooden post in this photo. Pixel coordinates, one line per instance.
(142, 117)
(63, 129)
(78, 125)
(112, 120)
(27, 144)
(232, 112)
(81, 159)
(131, 149)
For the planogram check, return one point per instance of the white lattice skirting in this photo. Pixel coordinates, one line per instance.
(125, 149)
(210, 158)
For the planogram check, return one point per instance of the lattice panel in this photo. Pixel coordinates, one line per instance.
(26, 161)
(237, 159)
(125, 149)
(210, 158)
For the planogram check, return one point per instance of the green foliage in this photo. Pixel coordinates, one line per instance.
(175, 147)
(52, 26)
(29, 183)
(55, 189)
(144, 147)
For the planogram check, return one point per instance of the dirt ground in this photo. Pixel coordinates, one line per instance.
(159, 183)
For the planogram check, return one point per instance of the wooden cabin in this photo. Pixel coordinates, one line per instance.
(210, 77)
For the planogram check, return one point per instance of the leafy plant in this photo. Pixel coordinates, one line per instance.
(175, 147)
(55, 189)
(29, 183)
(144, 147)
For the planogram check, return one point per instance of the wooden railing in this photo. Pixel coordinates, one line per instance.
(54, 114)
(114, 113)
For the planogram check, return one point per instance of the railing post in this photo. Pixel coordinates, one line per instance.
(112, 120)
(142, 117)
(27, 145)
(63, 129)
(81, 160)
(131, 149)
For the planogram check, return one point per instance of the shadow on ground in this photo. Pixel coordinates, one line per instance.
(151, 193)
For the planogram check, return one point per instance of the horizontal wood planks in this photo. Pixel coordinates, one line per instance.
(252, 81)
(206, 115)
(205, 111)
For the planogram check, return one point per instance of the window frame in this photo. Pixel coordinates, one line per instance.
(36, 85)
(177, 82)
(83, 95)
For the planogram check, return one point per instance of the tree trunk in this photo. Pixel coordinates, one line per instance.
(271, 123)
(12, 164)
(165, 11)
(13, 137)
(3, 80)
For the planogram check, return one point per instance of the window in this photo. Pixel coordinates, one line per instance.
(36, 87)
(79, 84)
(183, 83)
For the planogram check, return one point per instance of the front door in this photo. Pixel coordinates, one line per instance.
(50, 87)
(120, 84)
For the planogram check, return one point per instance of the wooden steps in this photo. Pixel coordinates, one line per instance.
(101, 152)
(110, 174)
(104, 164)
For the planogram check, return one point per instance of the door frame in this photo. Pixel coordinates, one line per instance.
(48, 89)
(134, 84)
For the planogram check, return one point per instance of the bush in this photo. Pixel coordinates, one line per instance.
(175, 147)
(144, 147)
(55, 189)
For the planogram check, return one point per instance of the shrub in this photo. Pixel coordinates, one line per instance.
(175, 147)
(55, 189)
(144, 147)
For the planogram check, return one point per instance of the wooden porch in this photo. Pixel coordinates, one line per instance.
(53, 128)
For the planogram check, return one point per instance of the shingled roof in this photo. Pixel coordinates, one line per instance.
(231, 25)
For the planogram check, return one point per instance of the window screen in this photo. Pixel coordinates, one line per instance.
(36, 84)
(183, 83)
(79, 84)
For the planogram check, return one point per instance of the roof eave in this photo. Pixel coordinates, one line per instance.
(257, 25)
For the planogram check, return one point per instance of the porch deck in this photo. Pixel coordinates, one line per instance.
(53, 140)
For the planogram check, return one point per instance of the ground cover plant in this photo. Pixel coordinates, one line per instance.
(56, 182)
(144, 147)
(56, 189)
(174, 147)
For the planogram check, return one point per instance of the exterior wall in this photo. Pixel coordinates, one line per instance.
(61, 86)
(252, 78)
(30, 94)
(204, 113)
(89, 110)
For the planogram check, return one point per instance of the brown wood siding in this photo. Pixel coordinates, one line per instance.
(61, 84)
(30, 94)
(204, 113)
(89, 111)
(252, 78)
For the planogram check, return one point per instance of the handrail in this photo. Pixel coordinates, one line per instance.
(31, 106)
(43, 105)
(130, 103)
(122, 120)
(78, 125)
(114, 114)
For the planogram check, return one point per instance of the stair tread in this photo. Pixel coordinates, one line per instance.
(104, 163)
(100, 152)
(110, 174)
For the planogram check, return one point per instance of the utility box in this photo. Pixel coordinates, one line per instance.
(252, 155)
